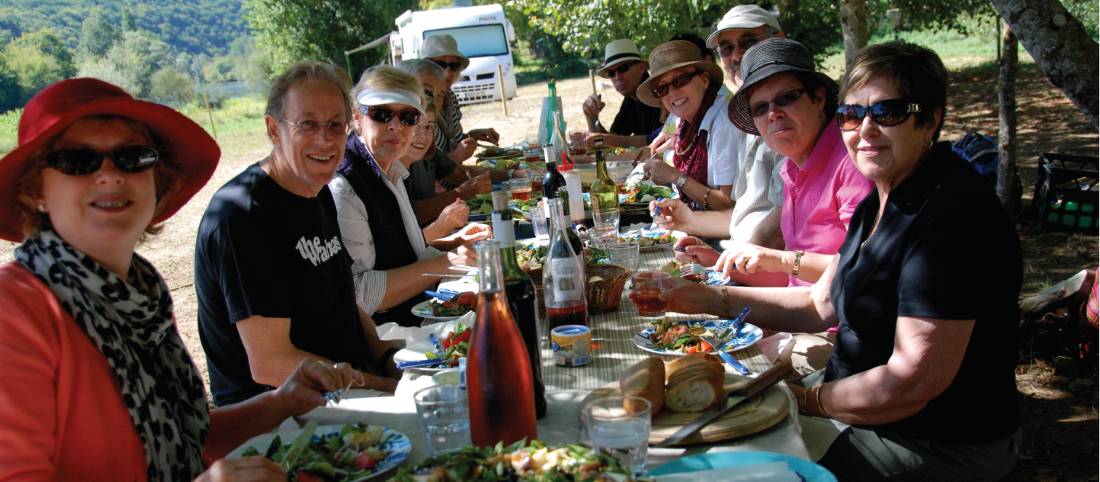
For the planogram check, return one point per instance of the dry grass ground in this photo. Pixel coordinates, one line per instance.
(1062, 416)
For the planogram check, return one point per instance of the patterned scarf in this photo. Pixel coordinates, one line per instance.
(690, 156)
(130, 322)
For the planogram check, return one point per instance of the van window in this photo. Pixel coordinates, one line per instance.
(477, 40)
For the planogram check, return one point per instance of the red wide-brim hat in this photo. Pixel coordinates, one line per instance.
(56, 107)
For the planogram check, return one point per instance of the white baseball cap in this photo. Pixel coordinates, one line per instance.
(743, 17)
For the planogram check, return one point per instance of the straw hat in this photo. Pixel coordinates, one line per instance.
(617, 52)
(58, 106)
(670, 56)
(743, 17)
(442, 44)
(765, 59)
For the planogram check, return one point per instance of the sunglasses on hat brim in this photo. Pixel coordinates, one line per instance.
(82, 160)
(887, 113)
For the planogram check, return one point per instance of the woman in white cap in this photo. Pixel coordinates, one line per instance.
(443, 50)
(687, 86)
(98, 384)
(377, 223)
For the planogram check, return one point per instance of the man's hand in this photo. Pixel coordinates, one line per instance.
(592, 107)
(464, 150)
(489, 135)
(473, 233)
(480, 184)
(304, 389)
(245, 469)
(692, 298)
(454, 215)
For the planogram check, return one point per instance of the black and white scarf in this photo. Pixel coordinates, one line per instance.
(130, 322)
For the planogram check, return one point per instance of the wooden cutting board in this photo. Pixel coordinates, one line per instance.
(761, 413)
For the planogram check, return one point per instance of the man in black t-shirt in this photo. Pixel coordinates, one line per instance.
(626, 68)
(272, 276)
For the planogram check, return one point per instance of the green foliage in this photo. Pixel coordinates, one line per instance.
(131, 62)
(11, 96)
(37, 59)
(196, 26)
(219, 69)
(173, 85)
(1087, 11)
(97, 36)
(9, 130)
(293, 30)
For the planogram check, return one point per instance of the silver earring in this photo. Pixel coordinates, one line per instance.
(41, 208)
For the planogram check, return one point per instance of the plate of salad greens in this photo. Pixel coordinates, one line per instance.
(520, 461)
(677, 338)
(331, 453)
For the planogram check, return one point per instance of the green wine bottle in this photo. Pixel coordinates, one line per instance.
(604, 192)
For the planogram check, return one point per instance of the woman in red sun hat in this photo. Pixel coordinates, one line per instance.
(97, 382)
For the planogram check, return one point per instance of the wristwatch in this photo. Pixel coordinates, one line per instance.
(680, 181)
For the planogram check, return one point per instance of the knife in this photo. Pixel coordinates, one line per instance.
(430, 362)
(755, 387)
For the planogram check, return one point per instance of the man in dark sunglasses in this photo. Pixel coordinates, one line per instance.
(742, 27)
(624, 65)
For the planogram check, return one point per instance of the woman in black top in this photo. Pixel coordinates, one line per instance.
(924, 290)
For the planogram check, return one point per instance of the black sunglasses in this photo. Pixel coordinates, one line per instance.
(784, 99)
(455, 66)
(678, 82)
(620, 69)
(383, 115)
(725, 49)
(82, 160)
(890, 112)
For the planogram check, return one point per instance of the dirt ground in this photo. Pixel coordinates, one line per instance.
(1059, 402)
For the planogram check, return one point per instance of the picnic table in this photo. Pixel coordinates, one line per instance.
(567, 387)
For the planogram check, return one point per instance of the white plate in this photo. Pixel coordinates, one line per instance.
(424, 310)
(396, 445)
(749, 335)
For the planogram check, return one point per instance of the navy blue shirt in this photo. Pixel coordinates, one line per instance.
(945, 248)
(264, 251)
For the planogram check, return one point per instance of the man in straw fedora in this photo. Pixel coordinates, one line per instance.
(624, 65)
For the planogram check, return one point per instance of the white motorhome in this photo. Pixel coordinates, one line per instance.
(483, 34)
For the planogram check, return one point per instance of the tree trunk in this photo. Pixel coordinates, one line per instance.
(1007, 178)
(853, 21)
(1060, 46)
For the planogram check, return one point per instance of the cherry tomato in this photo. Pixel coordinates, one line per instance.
(365, 462)
(691, 349)
(705, 347)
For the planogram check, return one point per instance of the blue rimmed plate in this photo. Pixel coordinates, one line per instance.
(807, 470)
(749, 335)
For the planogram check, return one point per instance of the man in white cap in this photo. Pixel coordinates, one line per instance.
(626, 68)
(443, 50)
(742, 27)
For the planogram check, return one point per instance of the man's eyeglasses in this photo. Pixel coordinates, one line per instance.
(725, 49)
(679, 81)
(620, 69)
(81, 161)
(784, 99)
(455, 66)
(886, 113)
(383, 115)
(310, 127)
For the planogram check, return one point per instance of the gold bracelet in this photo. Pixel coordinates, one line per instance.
(797, 262)
(817, 400)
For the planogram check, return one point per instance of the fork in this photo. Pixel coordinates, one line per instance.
(333, 398)
(729, 359)
(691, 268)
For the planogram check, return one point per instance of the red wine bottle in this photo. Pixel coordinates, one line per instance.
(498, 370)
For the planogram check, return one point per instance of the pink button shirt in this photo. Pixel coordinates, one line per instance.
(820, 197)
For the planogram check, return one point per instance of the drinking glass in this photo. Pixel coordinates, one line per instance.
(601, 236)
(606, 218)
(619, 432)
(539, 221)
(521, 188)
(623, 254)
(646, 290)
(576, 142)
(444, 417)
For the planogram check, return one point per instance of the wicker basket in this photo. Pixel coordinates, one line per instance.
(603, 295)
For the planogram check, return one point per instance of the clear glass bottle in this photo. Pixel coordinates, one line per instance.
(498, 370)
(563, 276)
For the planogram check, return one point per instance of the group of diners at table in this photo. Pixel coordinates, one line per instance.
(843, 217)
